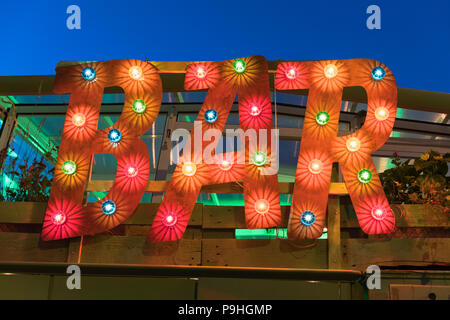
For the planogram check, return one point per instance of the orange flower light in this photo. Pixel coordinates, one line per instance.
(329, 75)
(189, 176)
(262, 208)
(246, 77)
(226, 169)
(313, 170)
(74, 177)
(136, 76)
(81, 123)
(147, 106)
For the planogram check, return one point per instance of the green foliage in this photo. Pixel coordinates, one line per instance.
(422, 180)
(32, 183)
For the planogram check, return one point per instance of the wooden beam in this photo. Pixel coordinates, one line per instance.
(336, 188)
(334, 233)
(360, 253)
(29, 247)
(274, 253)
(138, 250)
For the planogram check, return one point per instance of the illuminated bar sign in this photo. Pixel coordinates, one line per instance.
(256, 162)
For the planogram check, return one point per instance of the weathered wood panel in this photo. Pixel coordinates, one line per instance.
(218, 217)
(334, 233)
(360, 253)
(263, 253)
(138, 250)
(129, 288)
(29, 247)
(268, 289)
(24, 287)
(22, 212)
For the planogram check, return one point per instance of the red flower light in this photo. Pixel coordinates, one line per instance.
(202, 75)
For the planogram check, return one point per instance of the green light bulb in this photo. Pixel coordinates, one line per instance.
(139, 106)
(239, 66)
(259, 158)
(69, 167)
(322, 118)
(364, 175)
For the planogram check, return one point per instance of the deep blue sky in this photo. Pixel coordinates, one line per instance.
(414, 40)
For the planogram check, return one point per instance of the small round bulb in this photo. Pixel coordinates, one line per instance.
(136, 73)
(200, 73)
(189, 169)
(79, 119)
(353, 144)
(58, 218)
(88, 73)
(239, 66)
(169, 219)
(114, 135)
(225, 165)
(315, 166)
(330, 71)
(307, 218)
(378, 213)
(322, 118)
(364, 175)
(109, 207)
(131, 171)
(69, 167)
(381, 113)
(211, 116)
(255, 110)
(259, 158)
(378, 73)
(262, 206)
(291, 74)
(139, 106)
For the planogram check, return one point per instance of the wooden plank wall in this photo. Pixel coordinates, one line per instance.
(422, 238)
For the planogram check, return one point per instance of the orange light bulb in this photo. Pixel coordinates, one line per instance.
(330, 71)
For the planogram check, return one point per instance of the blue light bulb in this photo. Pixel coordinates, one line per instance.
(88, 73)
(378, 73)
(109, 207)
(114, 135)
(307, 218)
(211, 115)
